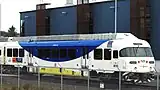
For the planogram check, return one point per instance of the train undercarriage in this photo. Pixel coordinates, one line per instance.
(10, 69)
(138, 78)
(134, 78)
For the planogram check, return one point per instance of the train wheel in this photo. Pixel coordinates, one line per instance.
(93, 73)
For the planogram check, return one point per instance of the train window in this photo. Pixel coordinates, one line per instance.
(63, 53)
(40, 52)
(98, 54)
(84, 53)
(107, 54)
(72, 53)
(115, 54)
(9, 52)
(46, 53)
(15, 52)
(136, 52)
(4, 51)
(21, 52)
(55, 53)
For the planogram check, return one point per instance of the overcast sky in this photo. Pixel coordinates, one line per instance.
(10, 10)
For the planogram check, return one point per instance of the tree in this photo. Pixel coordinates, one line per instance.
(12, 32)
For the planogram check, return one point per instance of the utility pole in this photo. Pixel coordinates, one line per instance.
(115, 16)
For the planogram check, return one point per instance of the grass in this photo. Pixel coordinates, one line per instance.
(24, 87)
(44, 86)
(34, 87)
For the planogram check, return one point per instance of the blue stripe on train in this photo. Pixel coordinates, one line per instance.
(78, 45)
(63, 43)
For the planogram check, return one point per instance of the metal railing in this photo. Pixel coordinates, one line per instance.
(63, 83)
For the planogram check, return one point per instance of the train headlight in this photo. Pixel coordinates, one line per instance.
(152, 69)
(151, 62)
(133, 62)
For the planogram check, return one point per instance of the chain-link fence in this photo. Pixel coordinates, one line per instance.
(51, 78)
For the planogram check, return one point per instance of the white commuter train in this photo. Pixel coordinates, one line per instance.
(128, 54)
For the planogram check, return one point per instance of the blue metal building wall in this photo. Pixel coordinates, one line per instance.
(29, 23)
(155, 33)
(103, 17)
(63, 20)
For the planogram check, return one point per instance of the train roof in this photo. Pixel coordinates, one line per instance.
(100, 36)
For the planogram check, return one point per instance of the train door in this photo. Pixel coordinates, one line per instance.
(30, 56)
(30, 60)
(115, 60)
(107, 60)
(85, 60)
(102, 59)
(118, 63)
(85, 57)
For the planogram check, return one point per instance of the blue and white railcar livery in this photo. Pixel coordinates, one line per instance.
(130, 55)
(65, 54)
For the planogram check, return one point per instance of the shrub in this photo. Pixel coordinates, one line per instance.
(13, 88)
(5, 89)
(26, 87)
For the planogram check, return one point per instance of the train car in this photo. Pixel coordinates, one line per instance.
(12, 55)
(130, 55)
(127, 54)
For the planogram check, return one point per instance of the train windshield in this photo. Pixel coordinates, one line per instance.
(136, 52)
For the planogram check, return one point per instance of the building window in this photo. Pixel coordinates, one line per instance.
(142, 13)
(85, 1)
(22, 29)
(38, 7)
(142, 22)
(47, 25)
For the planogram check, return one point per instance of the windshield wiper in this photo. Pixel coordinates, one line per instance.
(136, 50)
